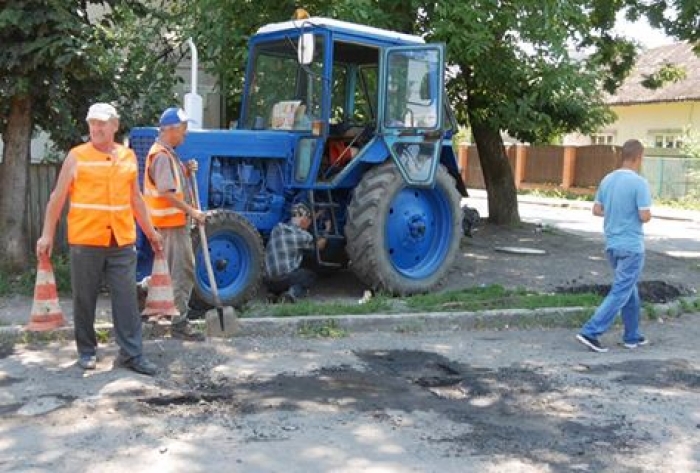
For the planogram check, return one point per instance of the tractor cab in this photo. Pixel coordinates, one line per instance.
(349, 92)
(352, 120)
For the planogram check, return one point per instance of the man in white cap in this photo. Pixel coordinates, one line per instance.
(100, 179)
(169, 199)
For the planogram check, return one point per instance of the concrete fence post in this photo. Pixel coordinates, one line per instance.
(463, 161)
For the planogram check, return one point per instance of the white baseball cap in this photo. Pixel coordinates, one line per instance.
(102, 112)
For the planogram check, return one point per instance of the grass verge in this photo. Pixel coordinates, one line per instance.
(558, 194)
(466, 300)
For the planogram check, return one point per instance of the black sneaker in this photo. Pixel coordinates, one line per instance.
(641, 342)
(138, 364)
(184, 331)
(591, 343)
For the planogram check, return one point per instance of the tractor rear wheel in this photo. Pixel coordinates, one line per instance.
(403, 239)
(237, 258)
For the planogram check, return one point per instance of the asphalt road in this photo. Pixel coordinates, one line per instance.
(678, 237)
(457, 401)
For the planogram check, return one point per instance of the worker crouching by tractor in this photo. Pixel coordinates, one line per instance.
(285, 277)
(169, 199)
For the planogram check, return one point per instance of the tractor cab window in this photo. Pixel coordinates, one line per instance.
(282, 93)
(354, 96)
(412, 89)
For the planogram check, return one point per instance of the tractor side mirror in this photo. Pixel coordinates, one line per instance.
(305, 49)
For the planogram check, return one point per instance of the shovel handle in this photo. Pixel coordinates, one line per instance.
(205, 242)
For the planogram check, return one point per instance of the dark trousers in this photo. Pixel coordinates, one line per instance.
(298, 283)
(117, 265)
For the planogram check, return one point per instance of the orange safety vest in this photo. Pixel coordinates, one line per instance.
(164, 214)
(100, 197)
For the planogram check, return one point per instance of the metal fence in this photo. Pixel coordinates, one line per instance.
(672, 177)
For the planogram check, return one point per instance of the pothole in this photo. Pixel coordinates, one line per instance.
(185, 399)
(6, 381)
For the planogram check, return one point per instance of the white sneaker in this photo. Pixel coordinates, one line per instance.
(641, 342)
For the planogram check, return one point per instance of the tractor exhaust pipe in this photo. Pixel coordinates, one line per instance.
(193, 101)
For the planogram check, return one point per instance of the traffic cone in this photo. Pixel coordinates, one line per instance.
(46, 311)
(160, 301)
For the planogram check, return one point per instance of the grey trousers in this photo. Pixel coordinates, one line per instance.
(177, 245)
(90, 265)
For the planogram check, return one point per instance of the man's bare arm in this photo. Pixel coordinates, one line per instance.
(196, 214)
(144, 218)
(54, 207)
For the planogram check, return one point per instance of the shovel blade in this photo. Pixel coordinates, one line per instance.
(221, 322)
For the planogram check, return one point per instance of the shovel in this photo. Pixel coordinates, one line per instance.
(227, 322)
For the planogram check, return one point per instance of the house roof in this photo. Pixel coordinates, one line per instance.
(680, 54)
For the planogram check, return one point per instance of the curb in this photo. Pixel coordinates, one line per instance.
(563, 317)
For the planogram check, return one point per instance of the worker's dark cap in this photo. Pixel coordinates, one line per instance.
(301, 210)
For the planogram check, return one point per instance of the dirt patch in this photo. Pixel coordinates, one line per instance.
(572, 261)
(653, 373)
(649, 291)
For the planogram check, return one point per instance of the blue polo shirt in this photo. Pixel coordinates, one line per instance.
(623, 193)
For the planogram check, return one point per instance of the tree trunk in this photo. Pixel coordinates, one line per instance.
(14, 247)
(498, 175)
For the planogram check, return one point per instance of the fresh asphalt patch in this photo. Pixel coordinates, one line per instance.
(516, 411)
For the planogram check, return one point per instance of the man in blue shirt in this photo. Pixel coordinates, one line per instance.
(624, 202)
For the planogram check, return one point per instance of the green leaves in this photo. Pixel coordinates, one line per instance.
(68, 59)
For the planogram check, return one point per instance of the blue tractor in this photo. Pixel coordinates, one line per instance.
(352, 120)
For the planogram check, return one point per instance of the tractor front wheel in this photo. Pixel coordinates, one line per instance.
(237, 258)
(403, 239)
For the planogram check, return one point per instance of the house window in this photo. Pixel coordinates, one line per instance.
(602, 139)
(668, 140)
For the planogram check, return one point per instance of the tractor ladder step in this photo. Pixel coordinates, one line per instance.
(331, 206)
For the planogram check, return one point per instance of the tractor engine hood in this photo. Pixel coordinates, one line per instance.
(238, 143)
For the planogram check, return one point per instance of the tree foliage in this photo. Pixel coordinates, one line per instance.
(58, 57)
(66, 57)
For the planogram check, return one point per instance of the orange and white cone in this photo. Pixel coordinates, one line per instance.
(46, 311)
(160, 302)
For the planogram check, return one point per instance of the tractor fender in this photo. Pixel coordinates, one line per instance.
(449, 160)
(376, 152)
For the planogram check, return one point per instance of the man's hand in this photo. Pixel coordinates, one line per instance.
(598, 210)
(44, 247)
(156, 241)
(198, 216)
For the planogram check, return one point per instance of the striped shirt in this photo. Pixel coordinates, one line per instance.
(285, 248)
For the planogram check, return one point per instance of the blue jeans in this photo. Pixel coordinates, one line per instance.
(623, 297)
